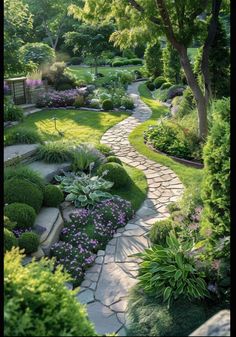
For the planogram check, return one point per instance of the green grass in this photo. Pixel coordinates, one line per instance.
(76, 125)
(136, 190)
(80, 72)
(188, 175)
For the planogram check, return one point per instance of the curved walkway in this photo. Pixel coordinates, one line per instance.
(107, 282)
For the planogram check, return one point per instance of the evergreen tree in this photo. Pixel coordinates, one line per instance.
(171, 64)
(153, 60)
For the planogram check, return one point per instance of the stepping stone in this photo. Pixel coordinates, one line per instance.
(48, 225)
(103, 318)
(113, 284)
(145, 211)
(119, 306)
(16, 153)
(85, 297)
(129, 245)
(48, 171)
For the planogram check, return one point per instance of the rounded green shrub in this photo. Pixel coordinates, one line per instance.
(29, 241)
(116, 173)
(37, 52)
(150, 85)
(107, 104)
(159, 231)
(53, 196)
(9, 240)
(118, 63)
(114, 159)
(18, 190)
(128, 103)
(153, 59)
(105, 149)
(8, 224)
(22, 135)
(23, 214)
(165, 85)
(135, 61)
(12, 112)
(24, 173)
(159, 81)
(75, 60)
(54, 152)
(41, 301)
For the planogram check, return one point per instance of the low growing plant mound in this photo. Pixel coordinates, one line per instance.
(12, 112)
(22, 135)
(114, 159)
(57, 99)
(54, 152)
(53, 196)
(9, 240)
(46, 307)
(29, 241)
(22, 191)
(115, 173)
(88, 231)
(105, 149)
(174, 140)
(24, 173)
(23, 214)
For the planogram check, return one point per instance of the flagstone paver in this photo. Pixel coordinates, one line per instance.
(115, 270)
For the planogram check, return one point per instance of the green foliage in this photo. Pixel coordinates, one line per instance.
(171, 64)
(105, 149)
(219, 63)
(150, 317)
(23, 214)
(37, 52)
(54, 152)
(79, 101)
(128, 53)
(75, 60)
(86, 158)
(187, 104)
(53, 196)
(161, 95)
(174, 139)
(59, 77)
(166, 85)
(216, 183)
(24, 173)
(29, 241)
(152, 59)
(127, 102)
(135, 61)
(22, 191)
(107, 104)
(150, 85)
(170, 272)
(8, 224)
(114, 159)
(9, 240)
(115, 173)
(159, 231)
(118, 63)
(159, 81)
(41, 309)
(12, 112)
(84, 190)
(22, 135)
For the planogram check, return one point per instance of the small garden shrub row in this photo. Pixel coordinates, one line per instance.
(88, 231)
(123, 62)
(171, 138)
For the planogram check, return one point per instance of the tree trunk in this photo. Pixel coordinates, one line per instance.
(198, 95)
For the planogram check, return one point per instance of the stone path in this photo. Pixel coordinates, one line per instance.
(107, 283)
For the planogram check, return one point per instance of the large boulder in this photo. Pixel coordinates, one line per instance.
(175, 90)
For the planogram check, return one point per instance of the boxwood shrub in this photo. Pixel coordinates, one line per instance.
(114, 159)
(19, 190)
(107, 104)
(53, 196)
(46, 307)
(29, 241)
(116, 173)
(9, 240)
(23, 214)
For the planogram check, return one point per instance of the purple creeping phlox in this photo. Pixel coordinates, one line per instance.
(57, 98)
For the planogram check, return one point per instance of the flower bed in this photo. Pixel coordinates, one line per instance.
(88, 231)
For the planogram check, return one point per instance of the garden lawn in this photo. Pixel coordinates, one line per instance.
(80, 72)
(136, 190)
(188, 175)
(77, 125)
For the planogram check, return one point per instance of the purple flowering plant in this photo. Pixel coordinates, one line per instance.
(57, 98)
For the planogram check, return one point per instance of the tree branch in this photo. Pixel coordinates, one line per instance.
(140, 9)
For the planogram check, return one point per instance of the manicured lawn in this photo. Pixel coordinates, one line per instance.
(187, 175)
(80, 72)
(77, 125)
(136, 190)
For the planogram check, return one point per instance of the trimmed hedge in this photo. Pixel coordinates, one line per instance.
(23, 214)
(19, 190)
(9, 240)
(53, 196)
(116, 173)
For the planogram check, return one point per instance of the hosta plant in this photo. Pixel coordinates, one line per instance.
(85, 190)
(170, 272)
